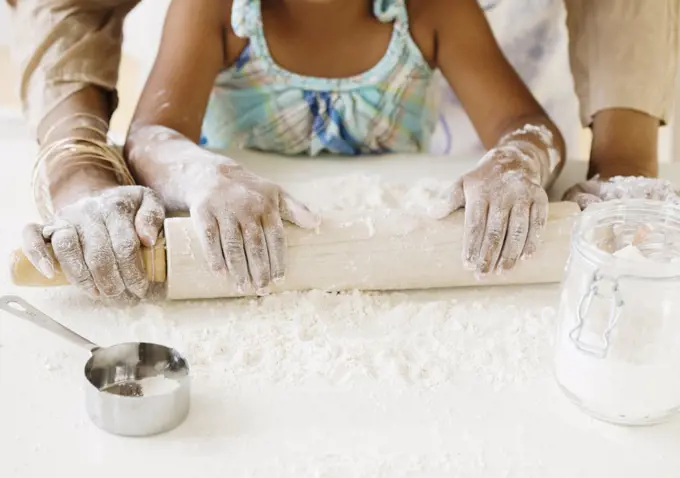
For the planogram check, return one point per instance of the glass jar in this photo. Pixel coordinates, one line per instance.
(617, 350)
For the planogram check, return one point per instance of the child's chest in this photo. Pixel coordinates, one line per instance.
(320, 47)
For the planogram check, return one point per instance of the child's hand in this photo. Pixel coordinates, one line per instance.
(506, 209)
(238, 217)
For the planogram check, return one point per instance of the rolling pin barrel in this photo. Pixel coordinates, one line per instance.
(350, 251)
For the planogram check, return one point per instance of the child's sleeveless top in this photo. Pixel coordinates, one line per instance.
(256, 104)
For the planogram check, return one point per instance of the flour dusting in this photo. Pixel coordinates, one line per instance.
(158, 385)
(295, 338)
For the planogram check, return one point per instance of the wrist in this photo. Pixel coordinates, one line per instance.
(535, 143)
(625, 143)
(86, 181)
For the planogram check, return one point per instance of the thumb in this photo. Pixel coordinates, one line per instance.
(149, 218)
(583, 199)
(584, 194)
(449, 201)
(297, 213)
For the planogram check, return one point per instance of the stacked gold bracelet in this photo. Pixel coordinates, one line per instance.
(74, 151)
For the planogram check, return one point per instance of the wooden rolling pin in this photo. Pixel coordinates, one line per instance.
(349, 251)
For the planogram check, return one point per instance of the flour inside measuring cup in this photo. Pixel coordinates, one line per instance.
(146, 387)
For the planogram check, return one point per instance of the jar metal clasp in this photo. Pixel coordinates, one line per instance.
(599, 284)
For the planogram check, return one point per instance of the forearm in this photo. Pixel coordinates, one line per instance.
(84, 114)
(171, 164)
(625, 143)
(68, 52)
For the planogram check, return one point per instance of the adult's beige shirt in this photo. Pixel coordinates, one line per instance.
(623, 53)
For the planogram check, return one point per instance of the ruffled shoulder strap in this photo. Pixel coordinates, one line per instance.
(245, 16)
(388, 11)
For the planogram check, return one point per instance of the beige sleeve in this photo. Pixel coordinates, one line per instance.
(624, 54)
(61, 46)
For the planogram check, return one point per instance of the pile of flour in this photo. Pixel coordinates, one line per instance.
(363, 193)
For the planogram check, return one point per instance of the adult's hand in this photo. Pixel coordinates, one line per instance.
(621, 187)
(97, 239)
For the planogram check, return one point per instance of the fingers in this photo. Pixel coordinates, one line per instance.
(209, 236)
(475, 225)
(234, 252)
(67, 250)
(100, 258)
(296, 213)
(126, 249)
(452, 200)
(584, 194)
(494, 237)
(35, 249)
(584, 200)
(254, 251)
(537, 221)
(276, 245)
(149, 218)
(515, 239)
(255, 246)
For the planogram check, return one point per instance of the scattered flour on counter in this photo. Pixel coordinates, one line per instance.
(415, 339)
(364, 193)
(420, 339)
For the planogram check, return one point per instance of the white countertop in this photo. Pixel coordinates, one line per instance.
(425, 384)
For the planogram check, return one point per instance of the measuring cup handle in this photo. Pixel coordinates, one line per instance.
(22, 309)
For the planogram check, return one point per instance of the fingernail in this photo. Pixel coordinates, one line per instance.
(278, 280)
(480, 276)
(262, 291)
(150, 239)
(469, 264)
(46, 267)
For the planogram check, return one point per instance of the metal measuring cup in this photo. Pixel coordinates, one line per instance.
(115, 379)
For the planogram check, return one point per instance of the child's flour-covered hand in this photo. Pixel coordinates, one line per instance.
(96, 240)
(237, 215)
(506, 209)
(239, 219)
(621, 187)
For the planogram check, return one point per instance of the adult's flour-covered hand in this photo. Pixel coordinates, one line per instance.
(97, 239)
(239, 219)
(621, 187)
